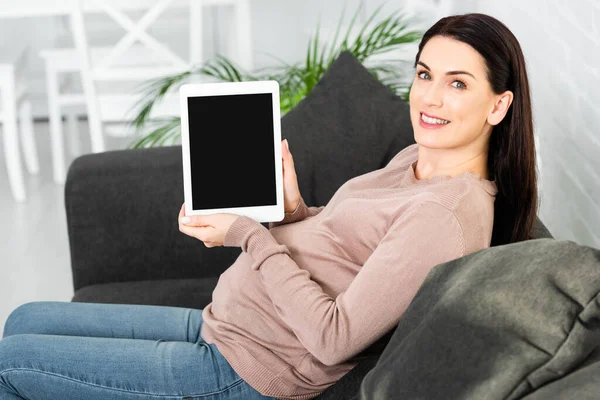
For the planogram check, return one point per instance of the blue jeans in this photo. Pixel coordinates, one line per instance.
(74, 351)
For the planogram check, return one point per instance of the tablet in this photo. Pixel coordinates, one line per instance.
(231, 148)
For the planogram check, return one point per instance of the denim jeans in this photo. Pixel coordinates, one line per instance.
(74, 351)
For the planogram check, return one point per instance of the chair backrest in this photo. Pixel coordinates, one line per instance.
(118, 64)
(137, 57)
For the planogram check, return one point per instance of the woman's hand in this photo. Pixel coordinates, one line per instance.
(210, 229)
(291, 192)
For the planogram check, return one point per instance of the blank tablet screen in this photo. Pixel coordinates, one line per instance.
(232, 151)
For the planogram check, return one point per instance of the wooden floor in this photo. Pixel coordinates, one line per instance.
(34, 248)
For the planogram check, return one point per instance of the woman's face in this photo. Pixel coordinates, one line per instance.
(463, 98)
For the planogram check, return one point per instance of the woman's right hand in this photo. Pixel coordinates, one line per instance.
(291, 192)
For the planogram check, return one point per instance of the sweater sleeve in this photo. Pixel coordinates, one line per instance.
(301, 212)
(336, 329)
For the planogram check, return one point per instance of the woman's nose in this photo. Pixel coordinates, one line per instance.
(433, 95)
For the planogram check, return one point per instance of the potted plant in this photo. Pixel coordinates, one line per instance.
(296, 81)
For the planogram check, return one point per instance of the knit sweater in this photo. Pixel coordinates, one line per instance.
(307, 295)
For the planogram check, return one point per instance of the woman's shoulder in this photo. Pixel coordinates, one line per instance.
(465, 195)
(473, 206)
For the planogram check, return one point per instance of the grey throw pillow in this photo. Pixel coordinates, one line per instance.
(499, 323)
(349, 124)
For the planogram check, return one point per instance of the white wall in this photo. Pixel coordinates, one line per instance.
(561, 46)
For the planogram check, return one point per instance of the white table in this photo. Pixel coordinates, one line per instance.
(35, 8)
(32, 8)
(48, 8)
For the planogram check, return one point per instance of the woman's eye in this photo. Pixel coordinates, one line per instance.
(425, 75)
(461, 83)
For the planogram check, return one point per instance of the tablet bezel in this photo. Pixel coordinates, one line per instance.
(258, 213)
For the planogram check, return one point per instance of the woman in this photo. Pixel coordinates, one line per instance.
(305, 297)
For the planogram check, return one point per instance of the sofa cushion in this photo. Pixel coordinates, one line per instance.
(499, 323)
(581, 384)
(348, 125)
(189, 293)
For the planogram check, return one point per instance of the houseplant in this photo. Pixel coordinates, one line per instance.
(296, 80)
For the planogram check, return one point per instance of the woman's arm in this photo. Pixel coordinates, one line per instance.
(301, 212)
(335, 329)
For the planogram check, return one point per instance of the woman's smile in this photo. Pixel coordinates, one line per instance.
(428, 122)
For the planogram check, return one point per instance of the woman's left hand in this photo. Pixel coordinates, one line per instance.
(210, 229)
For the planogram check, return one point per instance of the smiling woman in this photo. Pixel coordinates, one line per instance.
(448, 96)
(471, 111)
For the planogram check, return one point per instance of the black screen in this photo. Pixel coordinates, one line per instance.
(231, 151)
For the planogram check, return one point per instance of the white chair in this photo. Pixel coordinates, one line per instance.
(126, 61)
(16, 120)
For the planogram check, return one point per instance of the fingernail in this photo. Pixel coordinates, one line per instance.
(185, 220)
(287, 145)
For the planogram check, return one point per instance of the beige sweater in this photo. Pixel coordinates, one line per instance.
(311, 292)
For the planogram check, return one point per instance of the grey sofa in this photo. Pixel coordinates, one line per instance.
(121, 206)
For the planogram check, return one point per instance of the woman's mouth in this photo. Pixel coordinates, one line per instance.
(432, 123)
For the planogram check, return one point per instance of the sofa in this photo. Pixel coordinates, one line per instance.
(122, 207)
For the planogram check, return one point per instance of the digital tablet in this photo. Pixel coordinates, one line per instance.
(231, 148)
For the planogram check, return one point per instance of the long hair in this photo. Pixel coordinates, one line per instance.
(511, 154)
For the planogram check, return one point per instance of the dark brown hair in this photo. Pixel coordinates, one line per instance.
(511, 156)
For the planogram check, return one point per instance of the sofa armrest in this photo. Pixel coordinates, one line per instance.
(122, 209)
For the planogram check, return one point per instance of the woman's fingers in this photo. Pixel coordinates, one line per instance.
(288, 154)
(195, 232)
(291, 191)
(288, 159)
(202, 233)
(182, 227)
(181, 214)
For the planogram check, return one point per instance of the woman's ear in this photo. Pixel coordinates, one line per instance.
(501, 105)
